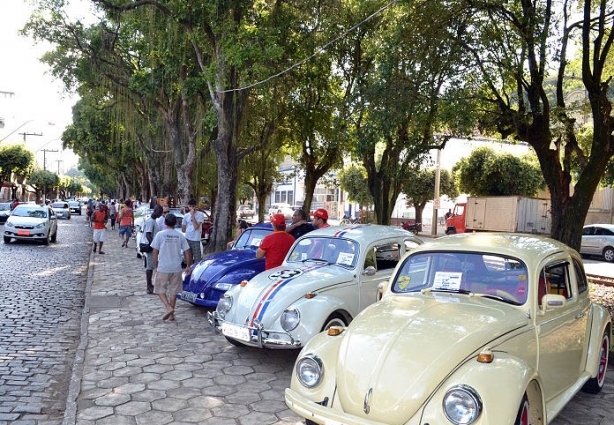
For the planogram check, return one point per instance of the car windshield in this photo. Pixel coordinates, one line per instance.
(251, 238)
(58, 205)
(30, 212)
(343, 252)
(5, 207)
(493, 276)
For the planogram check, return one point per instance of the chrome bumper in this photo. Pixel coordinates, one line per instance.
(257, 334)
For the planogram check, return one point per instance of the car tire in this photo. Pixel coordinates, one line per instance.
(523, 412)
(54, 238)
(595, 384)
(334, 319)
(45, 241)
(608, 254)
(7, 239)
(234, 342)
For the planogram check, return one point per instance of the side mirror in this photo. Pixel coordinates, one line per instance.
(552, 301)
(369, 271)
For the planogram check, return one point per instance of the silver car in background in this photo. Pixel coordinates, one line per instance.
(31, 222)
(62, 209)
(598, 239)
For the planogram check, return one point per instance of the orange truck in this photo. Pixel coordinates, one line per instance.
(501, 214)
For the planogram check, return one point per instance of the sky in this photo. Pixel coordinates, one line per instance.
(36, 104)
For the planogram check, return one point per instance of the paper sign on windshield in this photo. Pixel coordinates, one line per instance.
(448, 280)
(345, 258)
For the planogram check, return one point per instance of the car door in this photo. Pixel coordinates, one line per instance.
(561, 330)
(383, 257)
(589, 241)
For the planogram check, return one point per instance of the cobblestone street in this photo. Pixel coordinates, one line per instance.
(42, 292)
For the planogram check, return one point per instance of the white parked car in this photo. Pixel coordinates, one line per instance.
(329, 275)
(284, 209)
(598, 239)
(31, 222)
(139, 224)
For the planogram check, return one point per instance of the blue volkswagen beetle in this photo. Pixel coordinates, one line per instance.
(217, 273)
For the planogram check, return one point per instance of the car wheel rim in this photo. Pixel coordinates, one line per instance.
(524, 413)
(609, 255)
(603, 360)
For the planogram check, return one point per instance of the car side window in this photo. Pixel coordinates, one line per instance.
(554, 279)
(370, 259)
(588, 231)
(387, 256)
(580, 277)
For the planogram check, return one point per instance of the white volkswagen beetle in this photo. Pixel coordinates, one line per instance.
(488, 329)
(328, 277)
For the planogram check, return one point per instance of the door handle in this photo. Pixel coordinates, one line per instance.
(579, 315)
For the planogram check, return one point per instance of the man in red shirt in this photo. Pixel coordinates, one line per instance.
(99, 218)
(320, 218)
(275, 246)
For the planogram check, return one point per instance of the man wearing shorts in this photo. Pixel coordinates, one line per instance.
(126, 221)
(168, 245)
(192, 226)
(150, 229)
(99, 218)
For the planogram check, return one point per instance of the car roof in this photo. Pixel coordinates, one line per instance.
(261, 225)
(605, 225)
(362, 232)
(31, 207)
(526, 247)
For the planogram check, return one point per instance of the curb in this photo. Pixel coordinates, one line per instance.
(74, 389)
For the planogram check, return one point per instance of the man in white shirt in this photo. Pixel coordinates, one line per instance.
(150, 229)
(192, 226)
(168, 245)
(160, 219)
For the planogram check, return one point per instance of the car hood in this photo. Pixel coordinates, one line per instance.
(25, 221)
(273, 290)
(412, 343)
(215, 266)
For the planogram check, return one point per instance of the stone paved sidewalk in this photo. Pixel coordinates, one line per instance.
(134, 368)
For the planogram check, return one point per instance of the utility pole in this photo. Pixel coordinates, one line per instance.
(58, 161)
(45, 156)
(29, 134)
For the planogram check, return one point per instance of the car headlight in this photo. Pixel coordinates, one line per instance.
(309, 370)
(222, 286)
(290, 319)
(40, 226)
(9, 224)
(224, 305)
(462, 405)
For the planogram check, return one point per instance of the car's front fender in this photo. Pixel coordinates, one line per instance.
(500, 384)
(600, 321)
(315, 311)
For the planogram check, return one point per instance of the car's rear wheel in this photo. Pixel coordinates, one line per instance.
(608, 254)
(595, 384)
(523, 412)
(334, 319)
(7, 239)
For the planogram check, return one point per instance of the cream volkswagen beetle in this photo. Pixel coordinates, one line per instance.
(329, 275)
(476, 328)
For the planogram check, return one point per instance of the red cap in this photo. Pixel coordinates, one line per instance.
(321, 213)
(278, 220)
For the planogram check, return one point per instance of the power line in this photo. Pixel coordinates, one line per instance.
(318, 51)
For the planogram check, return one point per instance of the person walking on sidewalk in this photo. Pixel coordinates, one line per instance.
(99, 218)
(112, 214)
(192, 226)
(168, 245)
(150, 229)
(126, 221)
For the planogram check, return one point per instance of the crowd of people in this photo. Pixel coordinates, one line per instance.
(168, 252)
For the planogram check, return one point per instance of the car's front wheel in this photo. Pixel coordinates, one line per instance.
(595, 384)
(54, 238)
(334, 319)
(523, 412)
(47, 238)
(608, 254)
(7, 239)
